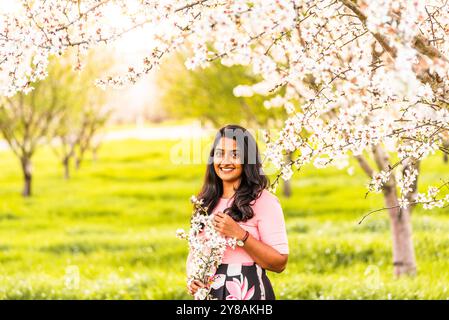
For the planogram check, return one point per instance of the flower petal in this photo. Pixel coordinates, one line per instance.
(249, 294)
(218, 281)
(244, 286)
(234, 269)
(234, 289)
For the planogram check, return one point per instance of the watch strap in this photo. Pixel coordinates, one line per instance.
(246, 236)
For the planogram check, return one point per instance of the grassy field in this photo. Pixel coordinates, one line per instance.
(109, 232)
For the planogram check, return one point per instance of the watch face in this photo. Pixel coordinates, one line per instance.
(240, 243)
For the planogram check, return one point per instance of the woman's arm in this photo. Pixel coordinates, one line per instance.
(264, 255)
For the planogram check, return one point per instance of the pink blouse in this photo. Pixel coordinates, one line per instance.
(267, 225)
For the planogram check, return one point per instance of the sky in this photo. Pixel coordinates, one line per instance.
(141, 97)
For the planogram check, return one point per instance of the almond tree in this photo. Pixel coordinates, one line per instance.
(84, 114)
(357, 76)
(27, 120)
(75, 134)
(94, 119)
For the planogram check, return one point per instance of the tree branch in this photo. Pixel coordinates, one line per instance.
(420, 43)
(365, 165)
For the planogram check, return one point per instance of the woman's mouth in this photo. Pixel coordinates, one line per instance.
(226, 169)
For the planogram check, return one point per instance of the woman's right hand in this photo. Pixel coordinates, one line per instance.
(194, 286)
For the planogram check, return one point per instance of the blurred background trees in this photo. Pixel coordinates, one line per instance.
(207, 94)
(28, 119)
(85, 113)
(64, 111)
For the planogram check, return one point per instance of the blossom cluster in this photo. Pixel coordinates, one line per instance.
(378, 180)
(207, 247)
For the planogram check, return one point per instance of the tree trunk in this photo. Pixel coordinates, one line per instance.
(27, 175)
(400, 220)
(287, 186)
(401, 228)
(77, 163)
(66, 164)
(446, 146)
(95, 154)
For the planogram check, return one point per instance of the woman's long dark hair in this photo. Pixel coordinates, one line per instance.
(253, 180)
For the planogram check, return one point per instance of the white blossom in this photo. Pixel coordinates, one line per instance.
(378, 180)
(181, 234)
(403, 202)
(243, 91)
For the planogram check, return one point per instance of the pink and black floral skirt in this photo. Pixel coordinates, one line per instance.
(241, 282)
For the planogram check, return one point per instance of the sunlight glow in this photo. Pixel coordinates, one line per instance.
(8, 6)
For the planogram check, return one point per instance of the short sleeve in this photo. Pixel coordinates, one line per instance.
(271, 223)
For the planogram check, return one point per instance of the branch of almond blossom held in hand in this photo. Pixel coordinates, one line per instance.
(206, 249)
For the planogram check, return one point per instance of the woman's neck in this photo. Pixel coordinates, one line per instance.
(229, 188)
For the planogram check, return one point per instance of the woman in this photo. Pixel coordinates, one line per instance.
(235, 192)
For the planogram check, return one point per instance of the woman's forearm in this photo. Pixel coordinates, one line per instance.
(264, 255)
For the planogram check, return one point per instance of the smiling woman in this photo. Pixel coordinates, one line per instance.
(234, 191)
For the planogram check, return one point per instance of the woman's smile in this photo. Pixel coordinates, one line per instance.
(227, 169)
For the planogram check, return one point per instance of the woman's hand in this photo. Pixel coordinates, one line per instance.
(194, 286)
(227, 226)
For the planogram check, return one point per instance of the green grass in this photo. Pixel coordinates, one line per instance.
(114, 223)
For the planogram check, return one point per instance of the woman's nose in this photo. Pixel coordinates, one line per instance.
(227, 159)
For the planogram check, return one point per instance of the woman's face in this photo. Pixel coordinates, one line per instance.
(227, 161)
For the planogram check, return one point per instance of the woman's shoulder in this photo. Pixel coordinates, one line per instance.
(267, 194)
(267, 206)
(266, 198)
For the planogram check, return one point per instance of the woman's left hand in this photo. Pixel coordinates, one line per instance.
(227, 226)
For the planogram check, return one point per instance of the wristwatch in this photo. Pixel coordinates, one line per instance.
(241, 243)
